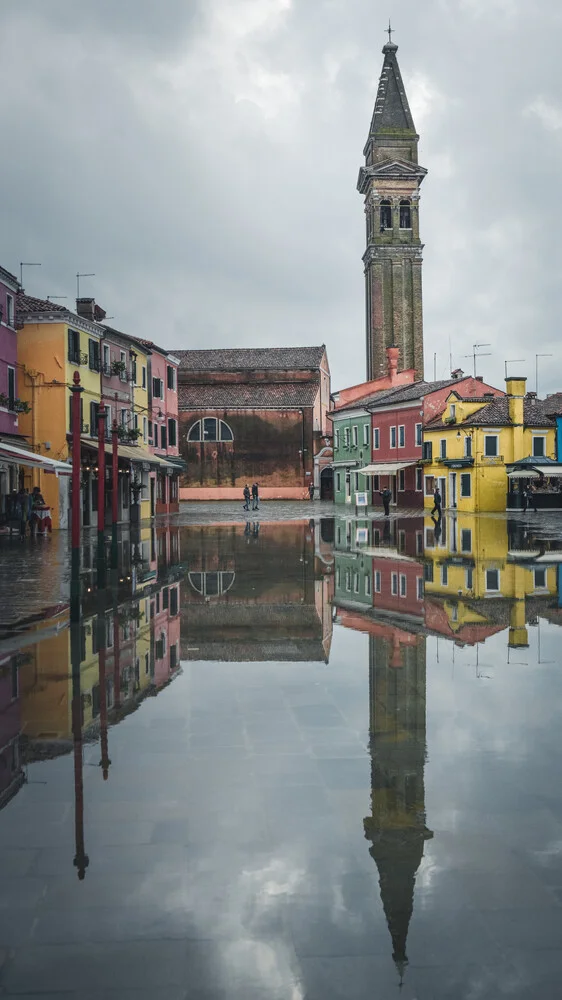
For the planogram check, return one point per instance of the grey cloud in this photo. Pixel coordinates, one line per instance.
(203, 163)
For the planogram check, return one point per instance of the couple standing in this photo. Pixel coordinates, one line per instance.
(253, 496)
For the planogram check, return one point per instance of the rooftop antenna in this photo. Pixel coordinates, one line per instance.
(49, 297)
(78, 276)
(537, 356)
(26, 263)
(513, 361)
(435, 366)
(474, 355)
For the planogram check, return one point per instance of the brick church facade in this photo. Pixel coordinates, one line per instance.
(255, 415)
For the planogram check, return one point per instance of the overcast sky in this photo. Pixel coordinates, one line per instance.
(201, 157)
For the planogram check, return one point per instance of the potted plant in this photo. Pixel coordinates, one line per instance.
(118, 368)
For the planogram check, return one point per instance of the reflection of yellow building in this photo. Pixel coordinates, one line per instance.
(468, 566)
(468, 446)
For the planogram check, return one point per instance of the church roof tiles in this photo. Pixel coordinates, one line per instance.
(239, 396)
(251, 358)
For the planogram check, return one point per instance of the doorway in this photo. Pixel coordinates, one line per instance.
(443, 490)
(152, 496)
(348, 486)
(394, 489)
(327, 484)
(453, 488)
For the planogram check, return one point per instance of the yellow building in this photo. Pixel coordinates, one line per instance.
(482, 585)
(467, 448)
(52, 345)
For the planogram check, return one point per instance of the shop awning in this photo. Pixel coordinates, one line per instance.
(549, 470)
(384, 468)
(132, 453)
(523, 474)
(21, 456)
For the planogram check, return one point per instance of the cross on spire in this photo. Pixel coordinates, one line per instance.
(389, 31)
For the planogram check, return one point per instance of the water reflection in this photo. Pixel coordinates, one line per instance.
(257, 592)
(286, 772)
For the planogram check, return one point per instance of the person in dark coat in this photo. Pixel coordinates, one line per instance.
(386, 498)
(529, 498)
(436, 502)
(247, 496)
(311, 491)
(255, 497)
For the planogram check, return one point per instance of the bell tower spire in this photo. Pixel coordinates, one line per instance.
(390, 181)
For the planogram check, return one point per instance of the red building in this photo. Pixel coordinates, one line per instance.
(398, 418)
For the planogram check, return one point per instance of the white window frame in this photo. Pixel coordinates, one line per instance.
(442, 447)
(106, 357)
(539, 437)
(401, 435)
(401, 480)
(355, 582)
(367, 585)
(355, 435)
(490, 437)
(419, 435)
(453, 411)
(366, 434)
(124, 420)
(123, 360)
(469, 578)
(143, 376)
(393, 436)
(346, 437)
(492, 590)
(428, 492)
(376, 438)
(144, 429)
(540, 586)
(338, 576)
(419, 480)
(377, 581)
(338, 482)
(403, 585)
(9, 321)
(419, 588)
(10, 368)
(336, 438)
(468, 446)
(444, 575)
(394, 584)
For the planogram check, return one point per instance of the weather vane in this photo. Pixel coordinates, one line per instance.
(389, 31)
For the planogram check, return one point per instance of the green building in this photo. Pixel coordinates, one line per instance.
(352, 451)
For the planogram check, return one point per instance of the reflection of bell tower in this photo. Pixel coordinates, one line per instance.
(396, 828)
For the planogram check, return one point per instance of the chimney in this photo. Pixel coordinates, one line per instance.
(392, 355)
(479, 378)
(488, 395)
(515, 388)
(87, 309)
(458, 373)
(531, 395)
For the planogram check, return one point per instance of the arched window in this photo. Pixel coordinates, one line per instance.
(211, 584)
(405, 215)
(210, 429)
(386, 215)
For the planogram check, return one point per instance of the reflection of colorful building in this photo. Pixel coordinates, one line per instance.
(255, 592)
(11, 774)
(482, 585)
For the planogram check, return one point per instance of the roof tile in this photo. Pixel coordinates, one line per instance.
(236, 396)
(241, 359)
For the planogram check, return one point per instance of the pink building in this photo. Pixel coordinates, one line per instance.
(163, 425)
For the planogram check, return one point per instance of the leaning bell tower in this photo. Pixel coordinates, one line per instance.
(390, 182)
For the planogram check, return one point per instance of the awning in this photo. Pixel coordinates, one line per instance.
(550, 470)
(523, 474)
(131, 453)
(21, 456)
(350, 464)
(385, 468)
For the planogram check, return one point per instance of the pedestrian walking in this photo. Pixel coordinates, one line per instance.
(255, 497)
(247, 496)
(386, 498)
(311, 491)
(529, 498)
(436, 502)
